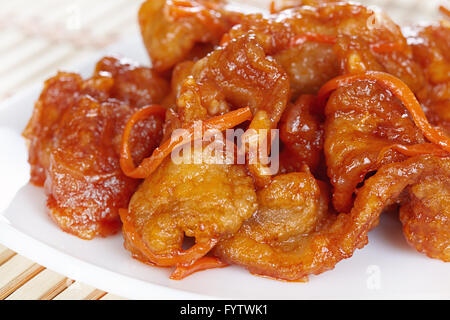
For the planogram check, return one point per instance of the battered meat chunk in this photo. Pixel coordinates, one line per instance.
(290, 208)
(361, 120)
(60, 93)
(206, 201)
(426, 216)
(301, 131)
(431, 48)
(74, 144)
(84, 183)
(316, 43)
(133, 84)
(239, 75)
(281, 5)
(175, 30)
(292, 235)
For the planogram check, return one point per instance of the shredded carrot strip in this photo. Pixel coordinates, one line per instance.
(126, 159)
(182, 3)
(401, 91)
(414, 150)
(181, 9)
(204, 263)
(444, 11)
(178, 257)
(272, 7)
(149, 165)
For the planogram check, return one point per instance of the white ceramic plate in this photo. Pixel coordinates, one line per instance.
(387, 268)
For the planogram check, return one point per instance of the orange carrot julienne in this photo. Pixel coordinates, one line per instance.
(126, 159)
(400, 90)
(149, 165)
(414, 150)
(272, 7)
(181, 9)
(175, 258)
(201, 264)
(182, 3)
(444, 11)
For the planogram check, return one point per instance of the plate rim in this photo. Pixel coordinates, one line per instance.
(98, 277)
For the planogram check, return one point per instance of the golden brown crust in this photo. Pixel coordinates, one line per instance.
(331, 238)
(426, 216)
(361, 120)
(75, 135)
(173, 29)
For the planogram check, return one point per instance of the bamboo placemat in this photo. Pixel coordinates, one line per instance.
(39, 37)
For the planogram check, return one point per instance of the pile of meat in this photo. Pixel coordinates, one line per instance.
(363, 112)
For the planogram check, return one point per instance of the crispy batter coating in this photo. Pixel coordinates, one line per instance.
(308, 66)
(316, 43)
(133, 84)
(361, 120)
(281, 5)
(204, 201)
(60, 93)
(84, 183)
(301, 131)
(75, 134)
(431, 48)
(290, 208)
(292, 235)
(175, 30)
(240, 75)
(426, 216)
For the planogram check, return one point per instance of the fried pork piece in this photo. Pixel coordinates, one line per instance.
(114, 78)
(206, 201)
(301, 131)
(74, 144)
(281, 5)
(362, 120)
(60, 93)
(240, 75)
(175, 30)
(316, 43)
(290, 208)
(84, 184)
(179, 75)
(292, 235)
(426, 216)
(234, 76)
(431, 48)
(133, 84)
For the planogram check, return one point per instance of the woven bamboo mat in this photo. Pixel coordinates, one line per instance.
(39, 37)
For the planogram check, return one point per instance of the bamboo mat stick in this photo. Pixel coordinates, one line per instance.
(16, 272)
(80, 291)
(110, 296)
(45, 286)
(5, 254)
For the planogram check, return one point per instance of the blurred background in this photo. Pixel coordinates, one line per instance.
(37, 37)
